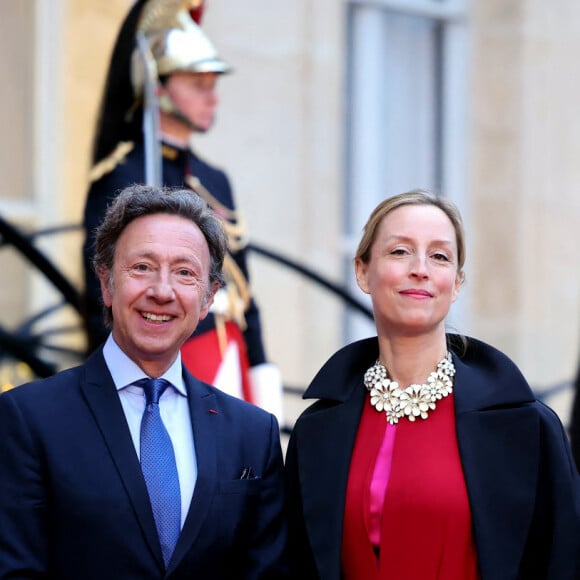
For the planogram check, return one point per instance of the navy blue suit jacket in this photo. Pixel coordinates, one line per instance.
(524, 491)
(73, 502)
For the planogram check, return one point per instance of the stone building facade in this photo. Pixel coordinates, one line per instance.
(295, 132)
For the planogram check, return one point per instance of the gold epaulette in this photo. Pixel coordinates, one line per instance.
(109, 163)
(233, 221)
(169, 152)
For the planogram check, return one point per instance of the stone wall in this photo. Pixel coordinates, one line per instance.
(525, 186)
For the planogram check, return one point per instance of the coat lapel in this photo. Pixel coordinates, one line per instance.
(205, 422)
(494, 425)
(103, 400)
(326, 439)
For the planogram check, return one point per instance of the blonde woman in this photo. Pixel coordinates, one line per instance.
(427, 455)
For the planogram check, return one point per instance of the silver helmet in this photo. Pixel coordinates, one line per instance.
(175, 41)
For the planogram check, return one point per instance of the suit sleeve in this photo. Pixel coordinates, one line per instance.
(23, 501)
(300, 557)
(266, 550)
(575, 422)
(556, 532)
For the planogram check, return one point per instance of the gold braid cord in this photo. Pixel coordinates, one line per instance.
(234, 223)
(109, 163)
(160, 15)
(238, 291)
(237, 287)
(238, 299)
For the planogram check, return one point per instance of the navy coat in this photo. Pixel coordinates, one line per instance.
(575, 421)
(73, 501)
(524, 491)
(177, 163)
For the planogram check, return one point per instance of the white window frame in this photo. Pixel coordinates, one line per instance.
(452, 160)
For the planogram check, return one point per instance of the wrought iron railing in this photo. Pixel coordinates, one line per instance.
(38, 351)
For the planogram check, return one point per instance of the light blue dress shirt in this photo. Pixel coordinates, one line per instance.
(174, 409)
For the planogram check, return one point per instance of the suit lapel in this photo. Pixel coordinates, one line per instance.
(326, 440)
(501, 479)
(205, 423)
(103, 400)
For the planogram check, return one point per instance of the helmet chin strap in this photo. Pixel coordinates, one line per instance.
(167, 106)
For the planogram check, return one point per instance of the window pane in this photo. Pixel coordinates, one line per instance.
(394, 117)
(394, 108)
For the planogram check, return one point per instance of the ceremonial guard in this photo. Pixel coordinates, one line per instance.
(161, 91)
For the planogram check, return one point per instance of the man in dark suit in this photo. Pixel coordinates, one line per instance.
(82, 452)
(227, 348)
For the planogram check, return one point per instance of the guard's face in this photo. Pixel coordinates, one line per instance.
(159, 289)
(195, 97)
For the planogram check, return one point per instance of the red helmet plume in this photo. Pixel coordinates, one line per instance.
(197, 11)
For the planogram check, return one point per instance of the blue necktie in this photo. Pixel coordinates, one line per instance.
(159, 468)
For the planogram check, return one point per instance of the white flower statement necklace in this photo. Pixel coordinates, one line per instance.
(414, 401)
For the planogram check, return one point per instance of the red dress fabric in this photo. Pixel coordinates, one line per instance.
(425, 520)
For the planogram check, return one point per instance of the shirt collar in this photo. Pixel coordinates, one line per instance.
(125, 371)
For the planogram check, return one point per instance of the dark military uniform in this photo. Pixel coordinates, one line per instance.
(126, 165)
